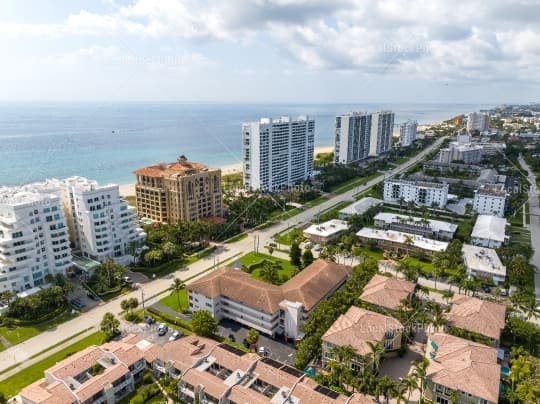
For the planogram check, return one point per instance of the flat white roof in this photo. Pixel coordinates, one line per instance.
(483, 259)
(435, 225)
(361, 206)
(399, 237)
(328, 228)
(489, 227)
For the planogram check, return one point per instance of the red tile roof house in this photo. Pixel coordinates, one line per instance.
(216, 373)
(462, 366)
(386, 293)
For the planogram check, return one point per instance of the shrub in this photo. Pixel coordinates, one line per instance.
(170, 319)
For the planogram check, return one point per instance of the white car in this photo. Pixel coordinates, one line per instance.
(317, 247)
(175, 336)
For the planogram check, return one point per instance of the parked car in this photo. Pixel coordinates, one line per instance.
(263, 352)
(486, 289)
(127, 279)
(91, 296)
(149, 320)
(175, 335)
(162, 329)
(232, 337)
(272, 245)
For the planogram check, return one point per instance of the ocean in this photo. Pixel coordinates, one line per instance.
(108, 141)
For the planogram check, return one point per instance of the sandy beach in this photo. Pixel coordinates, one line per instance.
(129, 189)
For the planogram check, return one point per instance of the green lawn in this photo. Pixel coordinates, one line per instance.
(252, 258)
(236, 238)
(171, 301)
(13, 384)
(426, 267)
(286, 238)
(333, 212)
(377, 255)
(17, 335)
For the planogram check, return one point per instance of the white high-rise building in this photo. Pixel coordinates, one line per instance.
(34, 240)
(102, 224)
(490, 199)
(277, 153)
(407, 133)
(477, 121)
(352, 135)
(420, 192)
(382, 128)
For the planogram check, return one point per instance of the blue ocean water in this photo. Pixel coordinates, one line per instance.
(107, 142)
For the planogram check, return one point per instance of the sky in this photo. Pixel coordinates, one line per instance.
(471, 51)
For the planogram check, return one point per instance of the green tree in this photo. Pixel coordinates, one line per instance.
(169, 249)
(419, 373)
(269, 272)
(307, 257)
(203, 323)
(252, 336)
(110, 326)
(295, 254)
(176, 287)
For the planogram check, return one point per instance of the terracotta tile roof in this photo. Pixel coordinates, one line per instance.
(186, 351)
(464, 365)
(245, 395)
(212, 385)
(241, 287)
(387, 291)
(77, 363)
(161, 170)
(308, 287)
(127, 352)
(477, 315)
(306, 393)
(358, 326)
(315, 282)
(274, 376)
(100, 382)
(44, 392)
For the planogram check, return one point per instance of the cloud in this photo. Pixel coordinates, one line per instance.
(435, 40)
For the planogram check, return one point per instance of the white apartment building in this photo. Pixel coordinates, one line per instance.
(352, 137)
(407, 133)
(382, 128)
(490, 199)
(34, 240)
(420, 192)
(277, 153)
(477, 121)
(489, 231)
(469, 153)
(102, 224)
(435, 229)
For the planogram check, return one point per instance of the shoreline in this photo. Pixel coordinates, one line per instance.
(227, 169)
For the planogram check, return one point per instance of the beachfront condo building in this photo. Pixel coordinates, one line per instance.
(182, 191)
(277, 153)
(34, 240)
(101, 224)
(382, 128)
(477, 121)
(353, 131)
(407, 133)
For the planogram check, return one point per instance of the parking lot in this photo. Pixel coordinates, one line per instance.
(277, 350)
(147, 331)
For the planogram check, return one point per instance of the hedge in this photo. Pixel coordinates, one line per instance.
(171, 319)
(252, 267)
(47, 317)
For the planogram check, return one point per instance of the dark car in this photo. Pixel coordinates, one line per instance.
(232, 337)
(149, 320)
(91, 296)
(486, 289)
(162, 330)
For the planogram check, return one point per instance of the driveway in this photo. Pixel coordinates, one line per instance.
(277, 350)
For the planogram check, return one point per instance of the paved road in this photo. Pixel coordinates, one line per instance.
(152, 289)
(534, 227)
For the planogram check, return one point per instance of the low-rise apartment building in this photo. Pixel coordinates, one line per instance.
(484, 262)
(327, 231)
(490, 199)
(359, 207)
(429, 228)
(182, 191)
(34, 238)
(209, 372)
(387, 293)
(357, 328)
(477, 316)
(405, 243)
(489, 231)
(97, 375)
(457, 365)
(420, 192)
(273, 310)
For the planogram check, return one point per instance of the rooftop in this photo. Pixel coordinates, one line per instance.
(435, 225)
(180, 167)
(477, 315)
(425, 184)
(328, 228)
(308, 287)
(357, 327)
(387, 291)
(483, 259)
(463, 365)
(489, 227)
(361, 206)
(492, 190)
(400, 237)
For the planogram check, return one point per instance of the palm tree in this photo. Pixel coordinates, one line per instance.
(408, 241)
(419, 373)
(454, 397)
(376, 354)
(410, 384)
(387, 387)
(7, 295)
(176, 287)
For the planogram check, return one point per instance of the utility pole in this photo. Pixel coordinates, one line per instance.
(142, 301)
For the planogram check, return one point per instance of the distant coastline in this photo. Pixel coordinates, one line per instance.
(129, 189)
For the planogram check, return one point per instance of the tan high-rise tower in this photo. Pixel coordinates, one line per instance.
(179, 191)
